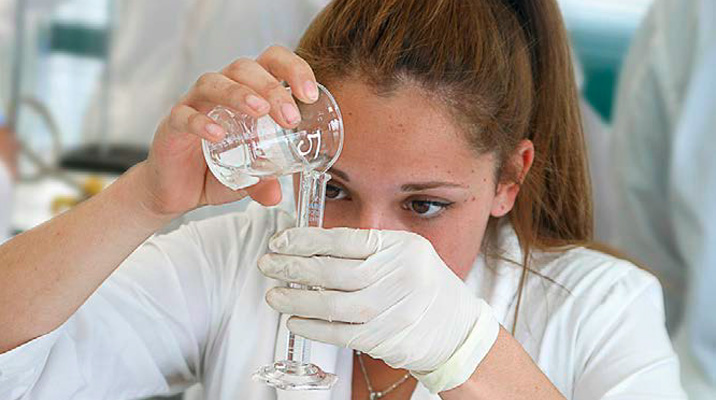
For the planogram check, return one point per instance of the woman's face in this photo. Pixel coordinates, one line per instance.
(406, 166)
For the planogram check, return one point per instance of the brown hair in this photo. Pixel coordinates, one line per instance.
(504, 69)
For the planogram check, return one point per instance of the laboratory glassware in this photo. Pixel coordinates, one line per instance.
(260, 147)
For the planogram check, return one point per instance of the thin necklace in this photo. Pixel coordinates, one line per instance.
(373, 395)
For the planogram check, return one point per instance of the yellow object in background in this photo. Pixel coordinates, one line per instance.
(90, 187)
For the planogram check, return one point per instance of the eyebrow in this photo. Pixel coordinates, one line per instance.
(417, 187)
(337, 172)
(408, 187)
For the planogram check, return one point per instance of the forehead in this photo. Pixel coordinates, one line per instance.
(406, 133)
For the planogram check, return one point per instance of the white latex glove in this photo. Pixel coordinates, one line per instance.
(385, 293)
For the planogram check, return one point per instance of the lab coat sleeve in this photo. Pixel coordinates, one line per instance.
(625, 352)
(144, 331)
(692, 185)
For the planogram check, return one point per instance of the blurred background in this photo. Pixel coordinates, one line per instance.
(84, 82)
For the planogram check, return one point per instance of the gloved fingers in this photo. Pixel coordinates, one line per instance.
(326, 272)
(338, 242)
(328, 305)
(335, 333)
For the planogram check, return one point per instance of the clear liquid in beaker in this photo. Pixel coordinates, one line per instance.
(277, 151)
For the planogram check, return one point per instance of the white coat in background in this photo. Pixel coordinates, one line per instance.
(664, 172)
(693, 199)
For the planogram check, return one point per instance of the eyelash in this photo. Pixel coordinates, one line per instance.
(442, 207)
(408, 206)
(331, 186)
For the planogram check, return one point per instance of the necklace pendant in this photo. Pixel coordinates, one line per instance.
(376, 395)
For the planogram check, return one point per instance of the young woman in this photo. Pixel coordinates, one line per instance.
(458, 267)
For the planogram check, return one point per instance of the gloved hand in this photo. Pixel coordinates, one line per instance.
(385, 293)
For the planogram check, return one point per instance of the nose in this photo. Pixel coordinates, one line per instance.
(377, 218)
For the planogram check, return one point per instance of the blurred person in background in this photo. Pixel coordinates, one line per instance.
(664, 171)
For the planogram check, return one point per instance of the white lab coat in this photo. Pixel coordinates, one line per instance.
(664, 179)
(652, 89)
(189, 306)
(692, 186)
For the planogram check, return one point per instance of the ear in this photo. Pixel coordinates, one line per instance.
(506, 194)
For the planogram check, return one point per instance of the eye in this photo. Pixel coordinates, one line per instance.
(427, 208)
(334, 192)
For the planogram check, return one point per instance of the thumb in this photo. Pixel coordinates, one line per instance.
(267, 192)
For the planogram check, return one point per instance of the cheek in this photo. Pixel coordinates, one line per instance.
(458, 240)
(339, 214)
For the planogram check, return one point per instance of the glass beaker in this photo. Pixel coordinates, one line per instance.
(261, 147)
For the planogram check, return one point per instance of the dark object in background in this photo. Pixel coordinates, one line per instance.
(116, 158)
